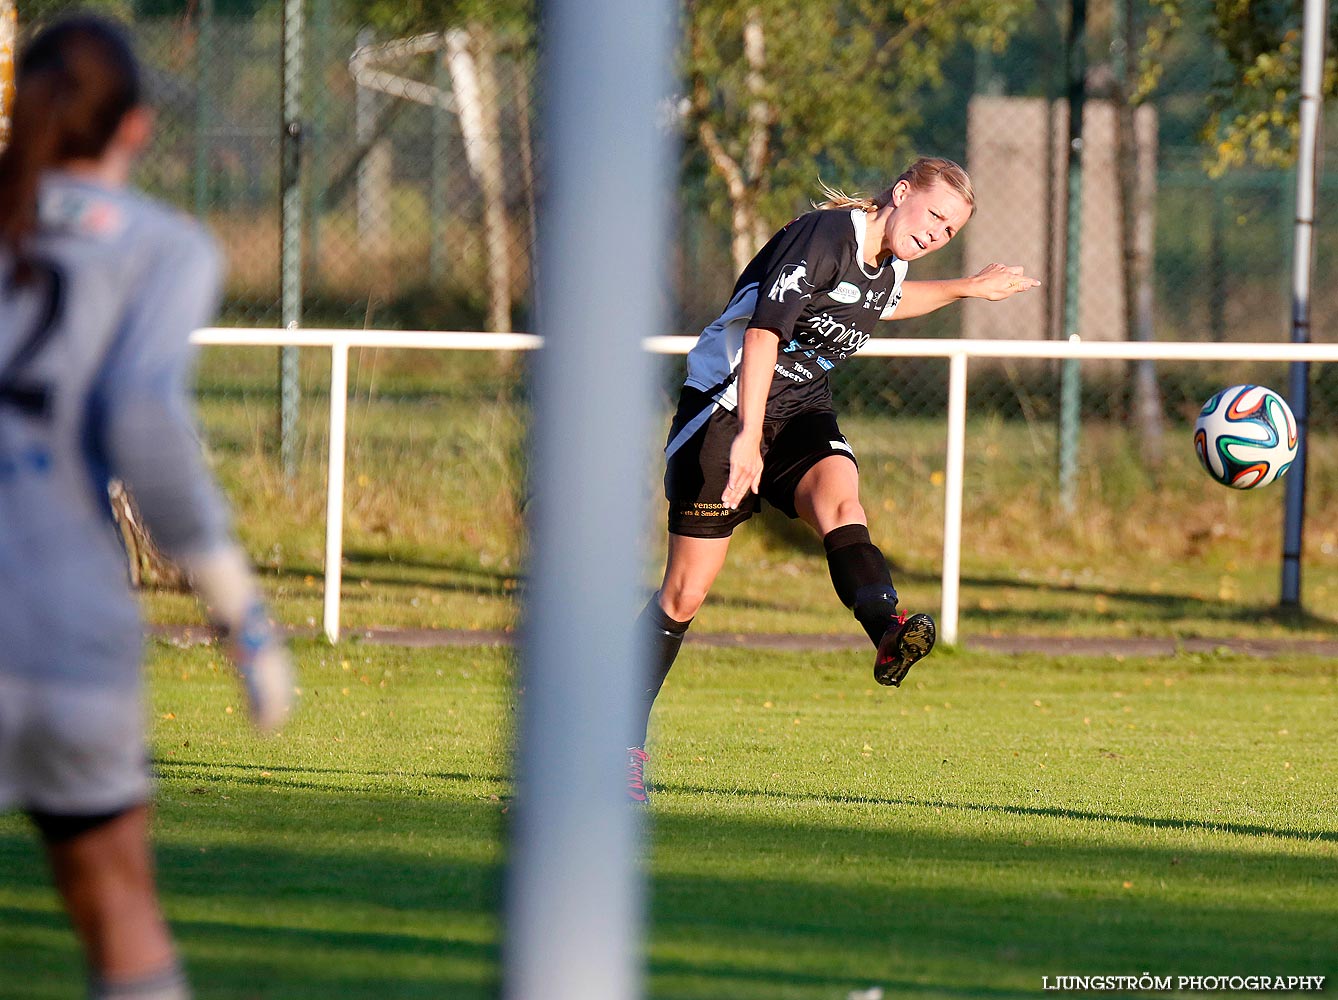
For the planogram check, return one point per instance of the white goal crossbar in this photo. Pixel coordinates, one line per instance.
(958, 353)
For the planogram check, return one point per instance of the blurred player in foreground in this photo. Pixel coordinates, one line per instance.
(99, 291)
(755, 418)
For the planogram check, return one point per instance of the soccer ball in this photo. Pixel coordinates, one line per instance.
(1245, 436)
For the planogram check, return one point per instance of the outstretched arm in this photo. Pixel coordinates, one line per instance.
(993, 282)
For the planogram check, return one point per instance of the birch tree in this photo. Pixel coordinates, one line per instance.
(470, 31)
(781, 93)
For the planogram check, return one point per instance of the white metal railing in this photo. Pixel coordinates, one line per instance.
(958, 353)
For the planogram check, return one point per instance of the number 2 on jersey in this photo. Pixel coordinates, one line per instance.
(25, 394)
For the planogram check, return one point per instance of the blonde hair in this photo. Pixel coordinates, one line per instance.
(923, 173)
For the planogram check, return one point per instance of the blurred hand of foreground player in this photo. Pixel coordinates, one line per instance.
(223, 580)
(265, 666)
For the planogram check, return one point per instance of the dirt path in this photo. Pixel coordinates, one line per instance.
(1054, 645)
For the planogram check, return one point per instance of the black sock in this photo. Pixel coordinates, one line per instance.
(665, 636)
(861, 578)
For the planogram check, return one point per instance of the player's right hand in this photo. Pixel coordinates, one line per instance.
(745, 469)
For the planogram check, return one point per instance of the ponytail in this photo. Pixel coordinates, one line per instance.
(75, 82)
(923, 173)
(836, 198)
(31, 150)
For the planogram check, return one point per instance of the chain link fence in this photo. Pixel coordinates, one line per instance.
(413, 182)
(418, 183)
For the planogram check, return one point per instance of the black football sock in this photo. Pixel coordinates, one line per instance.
(861, 578)
(665, 636)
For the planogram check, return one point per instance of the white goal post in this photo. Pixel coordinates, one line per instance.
(958, 353)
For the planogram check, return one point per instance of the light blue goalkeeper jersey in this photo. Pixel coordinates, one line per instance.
(95, 369)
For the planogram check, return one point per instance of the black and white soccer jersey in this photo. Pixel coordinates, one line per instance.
(811, 286)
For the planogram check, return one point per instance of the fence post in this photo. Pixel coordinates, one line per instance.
(1303, 262)
(334, 488)
(1070, 385)
(290, 231)
(954, 478)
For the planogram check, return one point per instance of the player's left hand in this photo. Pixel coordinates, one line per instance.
(266, 668)
(999, 281)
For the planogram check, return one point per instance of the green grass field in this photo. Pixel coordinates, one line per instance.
(996, 821)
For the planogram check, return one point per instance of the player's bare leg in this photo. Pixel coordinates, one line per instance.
(689, 574)
(691, 569)
(828, 499)
(105, 876)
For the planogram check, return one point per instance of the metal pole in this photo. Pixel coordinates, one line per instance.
(290, 231)
(1303, 264)
(954, 477)
(574, 897)
(1070, 386)
(334, 489)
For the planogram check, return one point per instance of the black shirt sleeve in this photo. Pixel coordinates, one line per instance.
(804, 258)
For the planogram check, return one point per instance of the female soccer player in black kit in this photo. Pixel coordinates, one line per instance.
(755, 418)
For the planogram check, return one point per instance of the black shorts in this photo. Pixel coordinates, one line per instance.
(697, 468)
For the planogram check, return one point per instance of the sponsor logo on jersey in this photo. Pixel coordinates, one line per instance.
(845, 292)
(832, 330)
(792, 278)
(872, 298)
(892, 303)
(802, 370)
(792, 376)
(824, 364)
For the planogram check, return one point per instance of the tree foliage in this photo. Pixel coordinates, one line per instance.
(783, 93)
(1255, 108)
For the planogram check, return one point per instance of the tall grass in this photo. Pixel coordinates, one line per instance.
(437, 484)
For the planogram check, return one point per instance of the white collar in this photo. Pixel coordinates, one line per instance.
(860, 220)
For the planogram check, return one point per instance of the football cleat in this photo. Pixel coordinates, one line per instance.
(907, 641)
(636, 775)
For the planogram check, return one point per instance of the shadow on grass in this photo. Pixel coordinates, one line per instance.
(262, 775)
(1161, 605)
(277, 895)
(1151, 822)
(983, 915)
(321, 901)
(383, 569)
